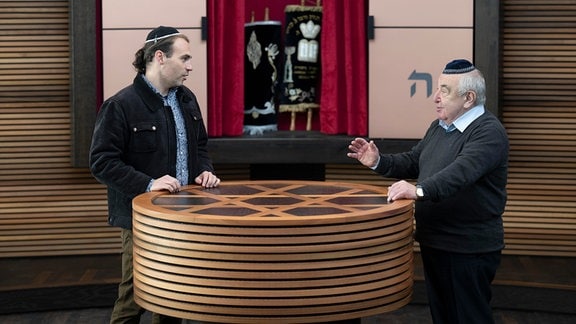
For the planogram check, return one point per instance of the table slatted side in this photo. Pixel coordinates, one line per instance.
(260, 271)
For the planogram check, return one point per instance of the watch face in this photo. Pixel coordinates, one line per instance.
(419, 192)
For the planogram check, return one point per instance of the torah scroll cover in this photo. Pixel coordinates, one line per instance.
(261, 64)
(301, 68)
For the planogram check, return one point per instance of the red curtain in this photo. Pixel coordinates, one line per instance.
(344, 92)
(225, 67)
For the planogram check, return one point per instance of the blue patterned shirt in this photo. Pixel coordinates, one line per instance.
(181, 139)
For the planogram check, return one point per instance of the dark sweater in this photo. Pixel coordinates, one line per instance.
(464, 177)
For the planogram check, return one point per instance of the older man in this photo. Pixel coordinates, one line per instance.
(461, 167)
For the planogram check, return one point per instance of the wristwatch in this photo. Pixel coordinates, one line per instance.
(419, 192)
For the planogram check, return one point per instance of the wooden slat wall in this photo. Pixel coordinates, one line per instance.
(46, 206)
(539, 112)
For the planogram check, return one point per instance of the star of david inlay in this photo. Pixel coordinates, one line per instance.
(274, 199)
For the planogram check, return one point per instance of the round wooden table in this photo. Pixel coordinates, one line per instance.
(273, 252)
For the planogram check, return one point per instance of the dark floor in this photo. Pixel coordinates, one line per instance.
(410, 314)
(81, 289)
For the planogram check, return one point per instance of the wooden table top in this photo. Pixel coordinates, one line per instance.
(265, 202)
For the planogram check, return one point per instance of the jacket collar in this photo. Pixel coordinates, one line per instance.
(153, 100)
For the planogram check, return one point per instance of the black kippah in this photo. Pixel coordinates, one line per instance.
(160, 33)
(458, 66)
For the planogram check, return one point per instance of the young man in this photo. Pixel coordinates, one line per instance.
(149, 136)
(461, 167)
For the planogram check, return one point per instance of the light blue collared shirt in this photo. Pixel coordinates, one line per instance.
(462, 122)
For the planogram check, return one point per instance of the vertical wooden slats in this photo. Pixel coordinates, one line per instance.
(46, 206)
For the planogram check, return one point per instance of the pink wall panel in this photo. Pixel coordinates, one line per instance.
(151, 13)
(408, 53)
(395, 110)
(423, 13)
